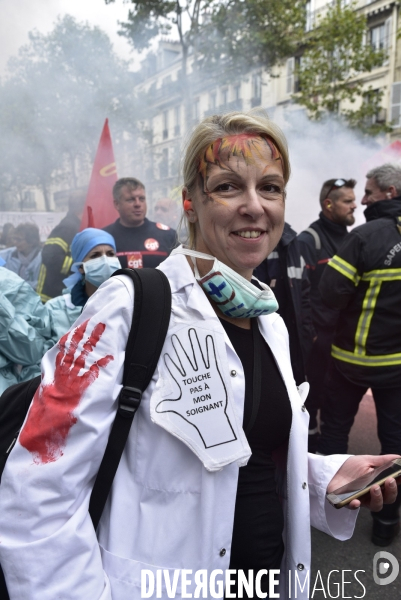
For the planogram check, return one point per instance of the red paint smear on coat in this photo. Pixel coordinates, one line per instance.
(51, 415)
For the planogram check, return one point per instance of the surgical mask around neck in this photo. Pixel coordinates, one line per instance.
(97, 270)
(233, 294)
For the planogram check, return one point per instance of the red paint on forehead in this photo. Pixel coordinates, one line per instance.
(241, 144)
(51, 415)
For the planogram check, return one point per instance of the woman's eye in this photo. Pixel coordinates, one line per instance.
(272, 189)
(224, 187)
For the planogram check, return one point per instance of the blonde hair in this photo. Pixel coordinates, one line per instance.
(217, 126)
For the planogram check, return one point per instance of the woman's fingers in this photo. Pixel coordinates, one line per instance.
(374, 500)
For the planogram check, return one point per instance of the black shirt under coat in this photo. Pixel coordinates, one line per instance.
(257, 541)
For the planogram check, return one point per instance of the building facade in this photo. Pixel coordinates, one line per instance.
(172, 116)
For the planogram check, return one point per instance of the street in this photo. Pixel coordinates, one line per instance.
(357, 553)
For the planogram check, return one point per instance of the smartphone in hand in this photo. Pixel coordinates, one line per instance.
(359, 487)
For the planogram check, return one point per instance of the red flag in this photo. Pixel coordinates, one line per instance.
(99, 209)
(391, 153)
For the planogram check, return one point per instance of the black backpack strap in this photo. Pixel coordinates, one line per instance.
(152, 309)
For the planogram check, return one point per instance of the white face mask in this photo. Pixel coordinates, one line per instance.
(233, 294)
(97, 270)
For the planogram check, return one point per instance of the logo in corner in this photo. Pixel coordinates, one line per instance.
(385, 568)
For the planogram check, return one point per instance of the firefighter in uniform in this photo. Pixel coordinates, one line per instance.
(56, 254)
(319, 243)
(363, 280)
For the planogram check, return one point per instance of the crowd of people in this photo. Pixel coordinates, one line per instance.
(338, 293)
(49, 284)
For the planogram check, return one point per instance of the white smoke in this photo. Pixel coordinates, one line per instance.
(321, 151)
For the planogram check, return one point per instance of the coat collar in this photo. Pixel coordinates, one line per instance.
(182, 280)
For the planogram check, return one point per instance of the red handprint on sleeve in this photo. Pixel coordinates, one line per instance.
(51, 415)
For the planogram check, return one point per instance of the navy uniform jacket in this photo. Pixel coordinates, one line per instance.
(284, 271)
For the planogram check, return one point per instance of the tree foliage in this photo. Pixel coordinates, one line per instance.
(57, 93)
(225, 35)
(150, 18)
(335, 55)
(239, 34)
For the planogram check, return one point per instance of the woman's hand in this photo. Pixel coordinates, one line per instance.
(358, 466)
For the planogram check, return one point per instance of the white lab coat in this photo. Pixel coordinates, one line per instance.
(165, 510)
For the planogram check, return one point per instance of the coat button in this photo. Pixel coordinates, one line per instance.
(303, 408)
(223, 552)
(300, 567)
(233, 373)
(304, 485)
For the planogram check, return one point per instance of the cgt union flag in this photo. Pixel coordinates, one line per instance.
(99, 209)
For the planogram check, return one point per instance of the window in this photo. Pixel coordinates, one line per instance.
(196, 109)
(290, 75)
(224, 96)
(256, 90)
(212, 100)
(371, 99)
(396, 104)
(308, 15)
(377, 37)
(165, 124)
(29, 199)
(237, 92)
(163, 169)
(177, 120)
(380, 35)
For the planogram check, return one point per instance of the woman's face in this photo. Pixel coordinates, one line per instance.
(97, 252)
(100, 250)
(238, 208)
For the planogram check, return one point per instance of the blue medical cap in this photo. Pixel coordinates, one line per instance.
(83, 243)
(87, 239)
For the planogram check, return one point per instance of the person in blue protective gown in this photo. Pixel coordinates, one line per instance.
(94, 260)
(24, 329)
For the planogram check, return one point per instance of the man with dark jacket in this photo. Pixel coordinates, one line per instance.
(56, 255)
(284, 271)
(363, 281)
(140, 242)
(318, 245)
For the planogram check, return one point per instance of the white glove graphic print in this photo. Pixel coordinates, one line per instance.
(201, 395)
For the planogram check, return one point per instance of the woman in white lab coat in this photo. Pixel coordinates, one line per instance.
(184, 496)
